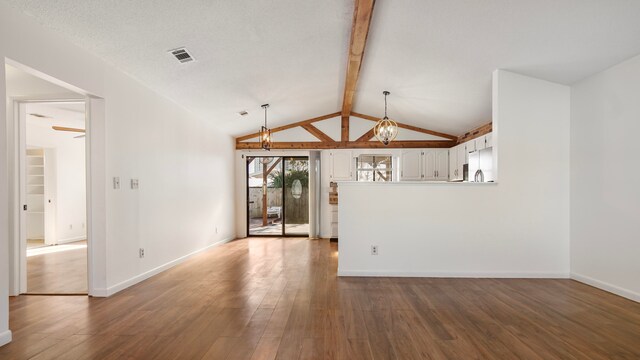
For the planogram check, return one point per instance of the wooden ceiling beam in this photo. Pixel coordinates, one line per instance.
(318, 133)
(475, 133)
(359, 33)
(409, 127)
(349, 145)
(289, 126)
(344, 128)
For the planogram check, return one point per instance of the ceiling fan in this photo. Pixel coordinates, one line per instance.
(62, 128)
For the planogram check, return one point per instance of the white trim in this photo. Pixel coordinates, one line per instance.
(415, 182)
(136, 279)
(461, 274)
(68, 240)
(99, 293)
(5, 337)
(606, 287)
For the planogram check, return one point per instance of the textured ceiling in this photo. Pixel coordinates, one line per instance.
(435, 56)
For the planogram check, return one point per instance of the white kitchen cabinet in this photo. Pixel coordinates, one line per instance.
(411, 165)
(427, 164)
(471, 147)
(463, 158)
(341, 165)
(429, 167)
(484, 142)
(334, 221)
(480, 143)
(453, 163)
(442, 164)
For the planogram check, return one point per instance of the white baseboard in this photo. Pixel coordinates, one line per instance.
(462, 274)
(98, 293)
(77, 238)
(136, 279)
(631, 295)
(5, 337)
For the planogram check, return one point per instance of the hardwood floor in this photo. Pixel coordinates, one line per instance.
(60, 269)
(280, 298)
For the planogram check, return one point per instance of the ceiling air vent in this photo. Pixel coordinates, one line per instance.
(182, 55)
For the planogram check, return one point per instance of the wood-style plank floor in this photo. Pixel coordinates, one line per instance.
(59, 269)
(280, 298)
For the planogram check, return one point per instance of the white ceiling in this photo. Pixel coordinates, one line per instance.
(435, 56)
(58, 114)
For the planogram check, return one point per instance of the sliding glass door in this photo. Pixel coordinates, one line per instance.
(296, 196)
(277, 196)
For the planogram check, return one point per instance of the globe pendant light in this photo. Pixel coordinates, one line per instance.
(265, 133)
(386, 129)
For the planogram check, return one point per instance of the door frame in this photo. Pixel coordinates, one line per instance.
(19, 107)
(95, 154)
(246, 179)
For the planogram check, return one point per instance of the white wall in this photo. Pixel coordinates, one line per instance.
(518, 227)
(70, 171)
(605, 196)
(5, 333)
(185, 165)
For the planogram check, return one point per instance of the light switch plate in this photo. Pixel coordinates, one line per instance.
(116, 182)
(134, 184)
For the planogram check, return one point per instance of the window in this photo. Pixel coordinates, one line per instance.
(374, 168)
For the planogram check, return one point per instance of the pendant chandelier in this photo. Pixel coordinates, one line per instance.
(265, 133)
(386, 129)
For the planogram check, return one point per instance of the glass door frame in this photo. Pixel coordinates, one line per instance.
(283, 159)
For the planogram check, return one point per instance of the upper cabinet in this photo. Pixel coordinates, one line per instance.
(427, 164)
(488, 140)
(483, 142)
(458, 156)
(442, 164)
(411, 165)
(341, 165)
(453, 163)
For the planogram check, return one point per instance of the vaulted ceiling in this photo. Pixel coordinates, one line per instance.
(435, 56)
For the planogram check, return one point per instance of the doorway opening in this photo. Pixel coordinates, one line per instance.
(54, 187)
(277, 196)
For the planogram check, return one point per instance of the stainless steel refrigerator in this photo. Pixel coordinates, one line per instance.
(481, 165)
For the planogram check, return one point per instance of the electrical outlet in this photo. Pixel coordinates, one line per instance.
(116, 182)
(374, 249)
(134, 184)
(216, 229)
(70, 226)
(141, 253)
